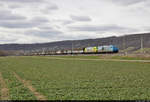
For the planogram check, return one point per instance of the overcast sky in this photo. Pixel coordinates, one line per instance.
(35, 21)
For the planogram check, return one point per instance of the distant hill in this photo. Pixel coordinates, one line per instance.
(132, 42)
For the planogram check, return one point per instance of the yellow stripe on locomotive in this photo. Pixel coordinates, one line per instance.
(90, 49)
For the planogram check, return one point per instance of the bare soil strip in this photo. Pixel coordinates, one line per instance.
(4, 89)
(120, 60)
(33, 90)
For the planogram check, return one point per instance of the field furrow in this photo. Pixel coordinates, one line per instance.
(4, 90)
(17, 90)
(33, 90)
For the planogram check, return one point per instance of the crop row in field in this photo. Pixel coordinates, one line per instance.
(76, 79)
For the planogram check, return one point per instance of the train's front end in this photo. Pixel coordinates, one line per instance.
(115, 49)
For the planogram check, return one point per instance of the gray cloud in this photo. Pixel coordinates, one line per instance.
(40, 20)
(45, 28)
(52, 7)
(106, 28)
(8, 40)
(63, 21)
(16, 24)
(66, 22)
(127, 2)
(22, 1)
(34, 22)
(44, 33)
(146, 28)
(48, 9)
(80, 18)
(1, 5)
(8, 15)
(14, 6)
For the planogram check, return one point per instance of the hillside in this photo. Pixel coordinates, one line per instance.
(131, 42)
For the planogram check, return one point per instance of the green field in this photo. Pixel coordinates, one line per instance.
(75, 79)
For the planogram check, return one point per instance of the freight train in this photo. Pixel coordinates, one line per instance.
(90, 50)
